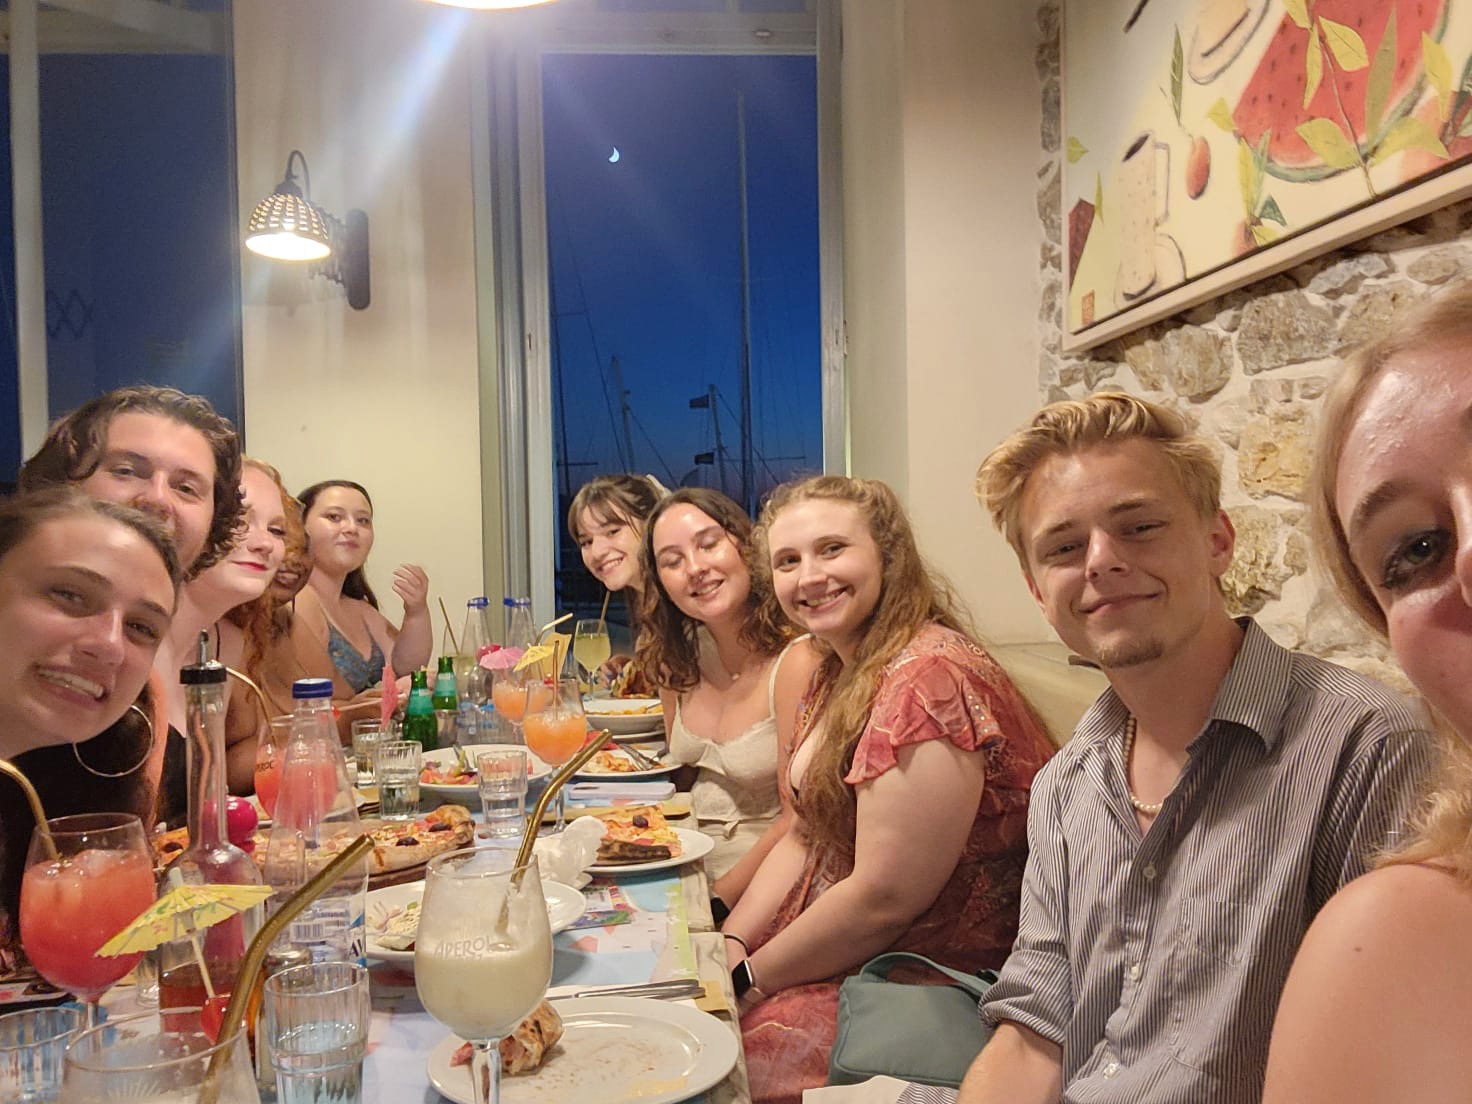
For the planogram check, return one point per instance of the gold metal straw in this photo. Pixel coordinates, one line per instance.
(603, 613)
(255, 956)
(260, 697)
(551, 625)
(566, 771)
(450, 632)
(7, 767)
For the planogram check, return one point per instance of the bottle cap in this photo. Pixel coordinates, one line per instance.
(447, 663)
(516, 602)
(205, 672)
(479, 603)
(311, 688)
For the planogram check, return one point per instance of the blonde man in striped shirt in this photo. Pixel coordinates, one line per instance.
(1209, 803)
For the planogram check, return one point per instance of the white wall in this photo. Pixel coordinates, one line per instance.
(375, 94)
(941, 118)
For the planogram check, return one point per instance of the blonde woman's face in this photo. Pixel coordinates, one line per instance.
(254, 559)
(1404, 499)
(827, 572)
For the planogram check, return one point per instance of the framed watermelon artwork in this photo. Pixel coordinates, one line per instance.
(1211, 143)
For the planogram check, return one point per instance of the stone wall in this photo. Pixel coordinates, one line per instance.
(1248, 370)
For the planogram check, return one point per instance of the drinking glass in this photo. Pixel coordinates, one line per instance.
(142, 1057)
(501, 776)
(269, 754)
(590, 647)
(100, 879)
(508, 695)
(397, 766)
(317, 1032)
(556, 728)
(366, 737)
(32, 1043)
(483, 957)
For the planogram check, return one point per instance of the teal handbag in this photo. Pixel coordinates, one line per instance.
(925, 1033)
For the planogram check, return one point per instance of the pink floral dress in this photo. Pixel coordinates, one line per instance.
(941, 686)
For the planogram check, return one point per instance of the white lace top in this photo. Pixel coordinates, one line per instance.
(737, 778)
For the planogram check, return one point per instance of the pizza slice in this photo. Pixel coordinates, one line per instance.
(637, 834)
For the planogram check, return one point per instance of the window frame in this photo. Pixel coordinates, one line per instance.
(519, 270)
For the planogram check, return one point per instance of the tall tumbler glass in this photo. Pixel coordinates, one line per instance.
(317, 1032)
(32, 1043)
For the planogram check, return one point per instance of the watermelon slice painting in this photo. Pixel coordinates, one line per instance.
(1283, 129)
(1273, 101)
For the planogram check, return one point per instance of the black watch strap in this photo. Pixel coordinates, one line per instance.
(741, 979)
(719, 910)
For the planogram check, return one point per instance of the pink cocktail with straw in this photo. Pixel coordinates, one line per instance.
(74, 901)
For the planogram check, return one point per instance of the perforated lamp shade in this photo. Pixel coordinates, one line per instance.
(288, 227)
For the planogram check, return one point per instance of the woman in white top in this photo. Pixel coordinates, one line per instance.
(730, 677)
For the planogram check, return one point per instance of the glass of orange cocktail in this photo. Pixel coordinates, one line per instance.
(98, 881)
(556, 728)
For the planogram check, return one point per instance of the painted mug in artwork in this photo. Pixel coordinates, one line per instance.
(1144, 203)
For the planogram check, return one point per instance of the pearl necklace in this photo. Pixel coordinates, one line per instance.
(1149, 808)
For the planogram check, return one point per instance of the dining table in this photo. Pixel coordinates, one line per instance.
(670, 934)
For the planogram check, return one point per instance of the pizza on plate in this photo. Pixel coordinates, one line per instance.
(397, 845)
(636, 834)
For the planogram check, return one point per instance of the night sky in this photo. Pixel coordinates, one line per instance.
(646, 259)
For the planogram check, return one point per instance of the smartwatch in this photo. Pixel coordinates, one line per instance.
(742, 978)
(719, 910)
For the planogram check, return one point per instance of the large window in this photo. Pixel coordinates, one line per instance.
(138, 212)
(685, 337)
(653, 321)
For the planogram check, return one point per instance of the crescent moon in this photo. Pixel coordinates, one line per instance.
(613, 157)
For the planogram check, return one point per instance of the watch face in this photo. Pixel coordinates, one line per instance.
(741, 979)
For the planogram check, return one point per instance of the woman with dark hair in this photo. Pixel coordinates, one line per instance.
(730, 675)
(607, 519)
(337, 630)
(909, 781)
(87, 590)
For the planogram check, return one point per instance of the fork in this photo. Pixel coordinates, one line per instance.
(639, 758)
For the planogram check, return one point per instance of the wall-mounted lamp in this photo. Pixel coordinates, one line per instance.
(288, 226)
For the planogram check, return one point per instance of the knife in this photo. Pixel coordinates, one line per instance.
(675, 989)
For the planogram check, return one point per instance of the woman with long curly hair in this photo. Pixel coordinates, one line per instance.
(1391, 502)
(909, 781)
(730, 673)
(228, 602)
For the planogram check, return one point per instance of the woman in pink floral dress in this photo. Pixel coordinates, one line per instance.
(910, 777)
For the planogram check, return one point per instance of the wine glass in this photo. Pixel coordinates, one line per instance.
(483, 956)
(508, 695)
(556, 728)
(72, 902)
(590, 647)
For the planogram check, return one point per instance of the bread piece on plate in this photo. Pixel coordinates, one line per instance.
(526, 1048)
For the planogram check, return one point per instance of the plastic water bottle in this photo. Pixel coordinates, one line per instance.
(316, 818)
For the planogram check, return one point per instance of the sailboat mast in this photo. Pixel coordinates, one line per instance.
(748, 487)
(626, 453)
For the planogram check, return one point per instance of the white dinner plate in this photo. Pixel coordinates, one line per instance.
(693, 845)
(564, 906)
(624, 716)
(614, 1050)
(444, 758)
(591, 771)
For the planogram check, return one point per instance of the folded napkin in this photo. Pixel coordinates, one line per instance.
(604, 793)
(564, 857)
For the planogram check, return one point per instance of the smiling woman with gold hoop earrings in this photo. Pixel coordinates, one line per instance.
(87, 592)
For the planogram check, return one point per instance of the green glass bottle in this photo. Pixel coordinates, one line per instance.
(419, 723)
(446, 702)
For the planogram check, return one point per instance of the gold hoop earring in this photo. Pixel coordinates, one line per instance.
(147, 750)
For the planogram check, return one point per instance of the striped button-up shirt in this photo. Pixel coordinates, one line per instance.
(1156, 962)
